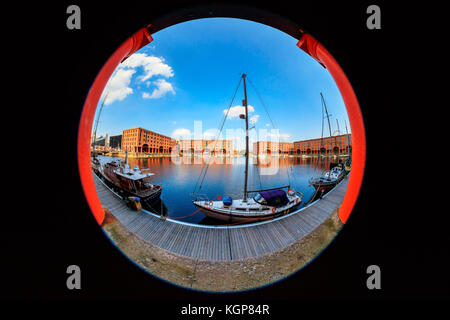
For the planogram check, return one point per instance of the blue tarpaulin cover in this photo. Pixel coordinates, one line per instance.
(270, 194)
(275, 197)
(227, 201)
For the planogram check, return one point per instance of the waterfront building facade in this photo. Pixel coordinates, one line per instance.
(99, 141)
(272, 147)
(106, 141)
(337, 145)
(115, 142)
(196, 146)
(145, 141)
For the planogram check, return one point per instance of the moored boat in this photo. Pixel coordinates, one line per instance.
(328, 180)
(266, 204)
(129, 182)
(348, 166)
(95, 163)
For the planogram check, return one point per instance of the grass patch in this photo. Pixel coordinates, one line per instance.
(115, 235)
(331, 226)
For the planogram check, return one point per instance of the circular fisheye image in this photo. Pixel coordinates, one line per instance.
(221, 154)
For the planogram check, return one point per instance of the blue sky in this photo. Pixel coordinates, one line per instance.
(190, 71)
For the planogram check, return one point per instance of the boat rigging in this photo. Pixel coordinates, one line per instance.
(330, 178)
(266, 204)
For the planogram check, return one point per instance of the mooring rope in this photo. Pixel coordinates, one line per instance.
(176, 218)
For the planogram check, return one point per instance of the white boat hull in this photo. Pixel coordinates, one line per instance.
(216, 210)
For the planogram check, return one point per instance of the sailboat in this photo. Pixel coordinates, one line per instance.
(265, 205)
(330, 178)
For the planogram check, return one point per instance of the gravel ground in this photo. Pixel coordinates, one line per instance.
(222, 276)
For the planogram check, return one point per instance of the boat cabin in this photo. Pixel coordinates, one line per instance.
(273, 198)
(134, 179)
(334, 173)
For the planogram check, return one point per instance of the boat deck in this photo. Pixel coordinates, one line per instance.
(249, 209)
(221, 243)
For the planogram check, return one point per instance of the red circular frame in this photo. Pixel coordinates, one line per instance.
(306, 42)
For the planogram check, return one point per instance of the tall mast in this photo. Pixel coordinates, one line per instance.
(328, 117)
(338, 133)
(96, 123)
(321, 137)
(244, 103)
(348, 140)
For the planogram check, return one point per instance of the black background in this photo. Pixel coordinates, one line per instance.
(47, 224)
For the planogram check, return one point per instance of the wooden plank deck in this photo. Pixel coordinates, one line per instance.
(226, 242)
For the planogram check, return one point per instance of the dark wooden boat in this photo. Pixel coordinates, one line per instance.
(121, 178)
(95, 163)
(129, 182)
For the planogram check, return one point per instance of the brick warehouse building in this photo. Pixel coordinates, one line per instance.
(141, 140)
(269, 147)
(201, 146)
(338, 144)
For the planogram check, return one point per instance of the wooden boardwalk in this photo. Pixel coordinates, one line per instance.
(226, 242)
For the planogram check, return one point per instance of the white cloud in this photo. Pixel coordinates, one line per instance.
(153, 66)
(162, 87)
(278, 136)
(117, 87)
(237, 110)
(182, 133)
(284, 136)
(210, 134)
(254, 119)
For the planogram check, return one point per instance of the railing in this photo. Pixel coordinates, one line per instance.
(205, 197)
